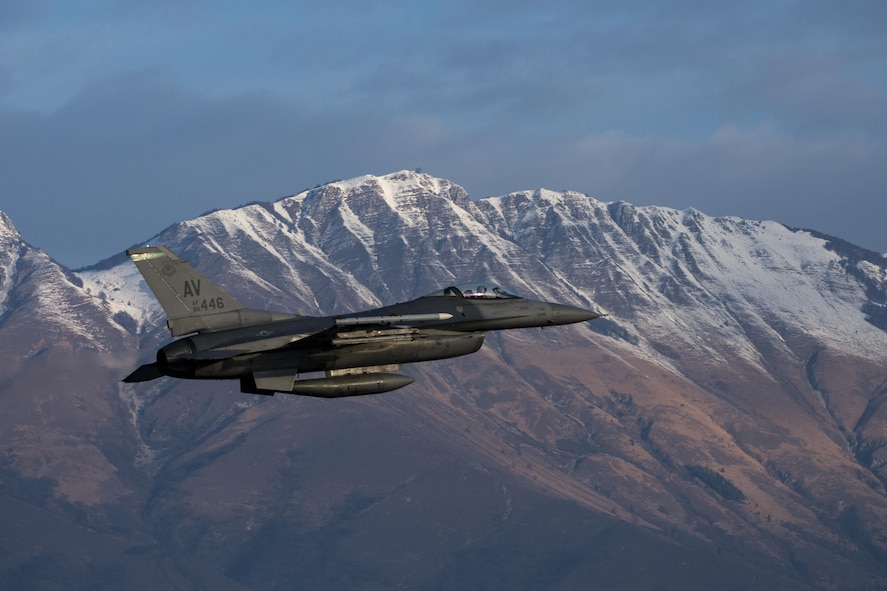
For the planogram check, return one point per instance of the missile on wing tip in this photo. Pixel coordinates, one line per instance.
(394, 319)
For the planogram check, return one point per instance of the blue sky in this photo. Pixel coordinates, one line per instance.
(119, 117)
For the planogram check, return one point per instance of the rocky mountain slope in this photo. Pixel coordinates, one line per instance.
(723, 426)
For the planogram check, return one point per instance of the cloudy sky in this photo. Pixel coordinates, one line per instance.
(119, 117)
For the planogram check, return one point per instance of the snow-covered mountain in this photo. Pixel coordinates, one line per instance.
(731, 401)
(36, 291)
(712, 284)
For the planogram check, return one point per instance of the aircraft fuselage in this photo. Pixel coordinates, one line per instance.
(271, 352)
(297, 344)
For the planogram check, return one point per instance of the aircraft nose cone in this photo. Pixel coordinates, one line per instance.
(562, 314)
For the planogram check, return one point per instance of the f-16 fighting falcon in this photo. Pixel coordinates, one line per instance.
(269, 351)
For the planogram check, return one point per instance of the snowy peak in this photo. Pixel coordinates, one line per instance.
(405, 200)
(35, 290)
(7, 229)
(11, 244)
(394, 231)
(403, 197)
(402, 191)
(718, 285)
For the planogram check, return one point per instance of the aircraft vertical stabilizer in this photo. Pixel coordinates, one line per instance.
(183, 292)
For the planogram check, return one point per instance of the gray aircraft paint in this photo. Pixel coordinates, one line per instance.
(269, 351)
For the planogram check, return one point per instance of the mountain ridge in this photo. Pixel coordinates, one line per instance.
(732, 399)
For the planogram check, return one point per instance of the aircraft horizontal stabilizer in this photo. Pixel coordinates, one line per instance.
(145, 373)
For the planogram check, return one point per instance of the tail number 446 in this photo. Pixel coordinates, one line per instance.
(208, 304)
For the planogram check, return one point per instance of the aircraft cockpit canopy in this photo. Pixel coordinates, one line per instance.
(478, 290)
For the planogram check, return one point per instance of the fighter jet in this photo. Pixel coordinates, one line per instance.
(358, 353)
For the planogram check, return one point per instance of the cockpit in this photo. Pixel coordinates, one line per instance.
(479, 290)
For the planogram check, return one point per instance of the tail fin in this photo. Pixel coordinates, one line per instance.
(192, 302)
